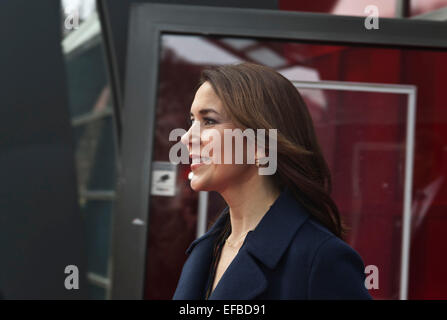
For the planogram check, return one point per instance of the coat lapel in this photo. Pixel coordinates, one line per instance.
(276, 230)
(243, 279)
(263, 247)
(195, 272)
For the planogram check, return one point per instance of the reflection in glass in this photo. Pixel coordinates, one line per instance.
(92, 120)
(363, 135)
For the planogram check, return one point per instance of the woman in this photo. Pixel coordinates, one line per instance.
(280, 236)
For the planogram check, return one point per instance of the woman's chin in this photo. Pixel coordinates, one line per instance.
(196, 184)
(195, 187)
(199, 183)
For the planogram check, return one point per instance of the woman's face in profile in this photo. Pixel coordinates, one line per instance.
(208, 120)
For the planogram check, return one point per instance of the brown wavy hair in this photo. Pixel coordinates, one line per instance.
(258, 97)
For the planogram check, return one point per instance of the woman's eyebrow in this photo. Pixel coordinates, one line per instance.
(205, 111)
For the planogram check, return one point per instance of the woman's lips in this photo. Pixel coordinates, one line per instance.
(195, 164)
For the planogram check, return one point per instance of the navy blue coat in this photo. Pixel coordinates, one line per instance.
(288, 256)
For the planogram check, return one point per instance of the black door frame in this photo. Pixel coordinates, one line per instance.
(147, 23)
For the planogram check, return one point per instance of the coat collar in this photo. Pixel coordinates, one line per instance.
(244, 277)
(272, 234)
(275, 231)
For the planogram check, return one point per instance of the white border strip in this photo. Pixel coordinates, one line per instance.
(410, 90)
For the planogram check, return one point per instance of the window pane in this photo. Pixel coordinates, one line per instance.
(363, 135)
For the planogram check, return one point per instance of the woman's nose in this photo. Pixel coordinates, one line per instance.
(192, 135)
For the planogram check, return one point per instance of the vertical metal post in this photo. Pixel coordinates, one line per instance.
(202, 213)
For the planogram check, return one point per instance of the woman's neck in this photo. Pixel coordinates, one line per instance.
(248, 203)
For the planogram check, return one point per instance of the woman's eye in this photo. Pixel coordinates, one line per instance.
(209, 121)
(206, 121)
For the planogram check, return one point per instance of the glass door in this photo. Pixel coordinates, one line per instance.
(361, 95)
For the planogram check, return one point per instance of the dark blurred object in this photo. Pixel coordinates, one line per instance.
(40, 224)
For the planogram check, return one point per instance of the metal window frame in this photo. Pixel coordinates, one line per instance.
(91, 116)
(112, 67)
(147, 22)
(103, 195)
